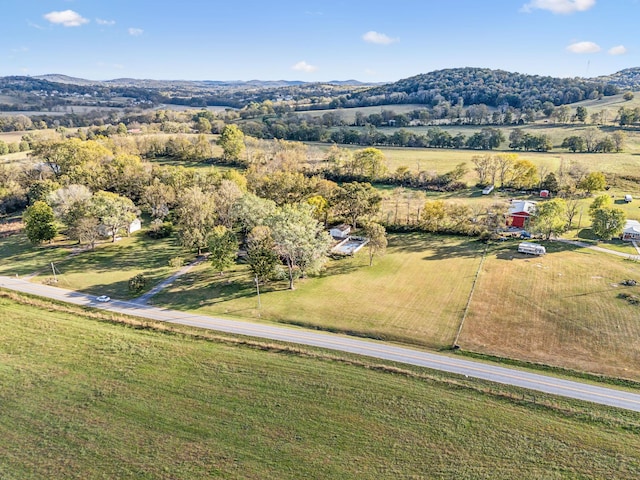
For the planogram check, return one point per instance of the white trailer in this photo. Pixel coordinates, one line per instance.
(531, 248)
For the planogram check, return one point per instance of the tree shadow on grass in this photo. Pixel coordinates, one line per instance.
(586, 234)
(465, 248)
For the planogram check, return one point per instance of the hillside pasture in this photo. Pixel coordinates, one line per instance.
(83, 398)
(415, 293)
(560, 309)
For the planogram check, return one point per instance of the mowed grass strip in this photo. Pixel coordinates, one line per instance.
(415, 293)
(560, 309)
(85, 399)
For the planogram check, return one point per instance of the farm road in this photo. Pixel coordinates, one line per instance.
(598, 249)
(533, 381)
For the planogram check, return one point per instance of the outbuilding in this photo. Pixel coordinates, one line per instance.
(340, 231)
(631, 231)
(519, 213)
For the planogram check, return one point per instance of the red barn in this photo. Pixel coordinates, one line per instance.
(520, 211)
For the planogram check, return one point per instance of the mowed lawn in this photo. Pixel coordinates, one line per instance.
(416, 293)
(107, 269)
(85, 399)
(19, 257)
(560, 309)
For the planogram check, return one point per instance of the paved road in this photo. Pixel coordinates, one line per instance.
(597, 394)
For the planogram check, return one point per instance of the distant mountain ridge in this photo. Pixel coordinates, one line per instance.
(454, 87)
(151, 83)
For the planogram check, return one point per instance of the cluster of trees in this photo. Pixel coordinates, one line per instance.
(87, 189)
(370, 165)
(507, 170)
(462, 219)
(591, 140)
(556, 216)
(521, 140)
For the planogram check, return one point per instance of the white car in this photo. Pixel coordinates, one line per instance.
(103, 298)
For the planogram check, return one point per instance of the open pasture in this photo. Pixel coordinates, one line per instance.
(560, 309)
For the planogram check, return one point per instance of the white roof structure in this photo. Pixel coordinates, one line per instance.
(632, 226)
(518, 206)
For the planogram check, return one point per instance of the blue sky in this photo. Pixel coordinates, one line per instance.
(315, 40)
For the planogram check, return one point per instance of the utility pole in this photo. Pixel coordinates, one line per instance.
(580, 219)
(258, 291)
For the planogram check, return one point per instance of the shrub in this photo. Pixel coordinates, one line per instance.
(176, 262)
(137, 283)
(160, 229)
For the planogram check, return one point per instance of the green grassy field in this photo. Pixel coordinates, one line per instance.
(87, 399)
(21, 258)
(416, 293)
(108, 268)
(560, 309)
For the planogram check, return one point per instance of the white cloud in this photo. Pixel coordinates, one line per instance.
(584, 47)
(559, 6)
(66, 18)
(618, 50)
(304, 67)
(378, 38)
(369, 71)
(108, 23)
(136, 32)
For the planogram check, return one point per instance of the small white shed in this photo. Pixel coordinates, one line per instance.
(135, 225)
(340, 231)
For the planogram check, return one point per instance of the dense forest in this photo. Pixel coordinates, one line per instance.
(471, 86)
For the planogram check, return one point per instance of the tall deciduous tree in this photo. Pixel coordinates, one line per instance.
(159, 198)
(223, 247)
(368, 164)
(113, 211)
(299, 239)
(226, 197)
(434, 214)
(232, 142)
(377, 236)
(358, 200)
(607, 222)
(71, 204)
(39, 223)
(196, 217)
(550, 218)
(593, 182)
(525, 174)
(261, 253)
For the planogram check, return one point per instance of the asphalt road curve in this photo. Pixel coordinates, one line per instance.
(510, 376)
